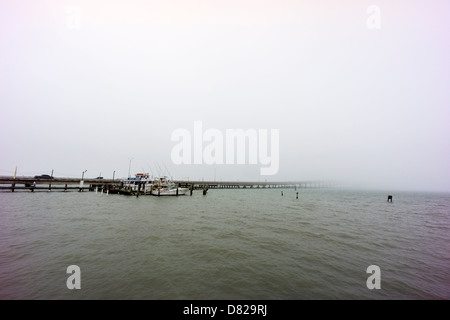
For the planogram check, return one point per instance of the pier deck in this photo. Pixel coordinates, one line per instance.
(9, 183)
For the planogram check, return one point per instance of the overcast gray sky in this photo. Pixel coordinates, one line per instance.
(91, 84)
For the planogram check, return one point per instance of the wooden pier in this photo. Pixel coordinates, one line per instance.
(11, 184)
(56, 184)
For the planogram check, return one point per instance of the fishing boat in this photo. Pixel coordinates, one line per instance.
(165, 187)
(141, 183)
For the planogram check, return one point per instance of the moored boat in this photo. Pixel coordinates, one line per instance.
(165, 187)
(141, 183)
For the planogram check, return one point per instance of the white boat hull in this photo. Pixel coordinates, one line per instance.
(170, 192)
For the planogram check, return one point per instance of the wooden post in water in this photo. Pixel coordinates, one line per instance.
(192, 189)
(159, 192)
(65, 187)
(296, 195)
(281, 193)
(389, 199)
(49, 187)
(12, 187)
(138, 190)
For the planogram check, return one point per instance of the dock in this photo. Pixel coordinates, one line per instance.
(55, 184)
(11, 184)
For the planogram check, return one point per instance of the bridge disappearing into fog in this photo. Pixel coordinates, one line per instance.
(9, 183)
(253, 184)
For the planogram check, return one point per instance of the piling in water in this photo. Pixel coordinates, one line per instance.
(138, 190)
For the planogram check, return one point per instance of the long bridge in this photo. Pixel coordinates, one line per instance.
(10, 183)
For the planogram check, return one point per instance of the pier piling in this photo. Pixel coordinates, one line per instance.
(138, 190)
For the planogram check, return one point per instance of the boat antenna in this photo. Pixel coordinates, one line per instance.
(150, 168)
(160, 173)
(168, 172)
(160, 170)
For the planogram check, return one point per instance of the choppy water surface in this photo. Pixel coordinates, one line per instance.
(230, 244)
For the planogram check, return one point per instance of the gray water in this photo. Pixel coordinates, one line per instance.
(229, 244)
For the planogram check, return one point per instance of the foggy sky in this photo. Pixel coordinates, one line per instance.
(92, 84)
